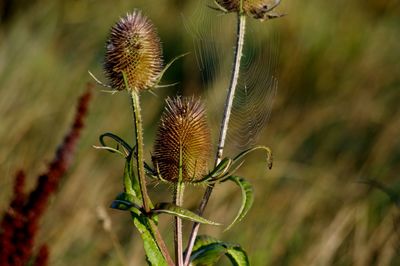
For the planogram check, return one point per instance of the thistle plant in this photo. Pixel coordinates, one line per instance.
(182, 148)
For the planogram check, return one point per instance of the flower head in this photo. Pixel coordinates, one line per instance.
(258, 9)
(183, 137)
(133, 48)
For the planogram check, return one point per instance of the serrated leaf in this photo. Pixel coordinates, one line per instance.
(207, 251)
(247, 198)
(172, 209)
(154, 255)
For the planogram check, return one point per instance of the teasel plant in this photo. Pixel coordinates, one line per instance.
(257, 9)
(133, 63)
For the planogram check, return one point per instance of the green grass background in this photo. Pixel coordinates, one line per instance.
(336, 119)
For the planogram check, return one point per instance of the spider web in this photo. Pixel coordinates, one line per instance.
(213, 34)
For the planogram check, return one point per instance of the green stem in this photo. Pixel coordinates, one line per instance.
(241, 29)
(141, 174)
(178, 200)
(139, 144)
(147, 204)
(161, 243)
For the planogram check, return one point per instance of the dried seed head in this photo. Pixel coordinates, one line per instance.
(257, 9)
(230, 5)
(135, 49)
(183, 131)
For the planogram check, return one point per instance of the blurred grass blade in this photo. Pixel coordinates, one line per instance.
(172, 209)
(154, 255)
(392, 194)
(247, 198)
(207, 251)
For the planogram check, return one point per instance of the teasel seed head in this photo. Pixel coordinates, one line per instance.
(183, 130)
(134, 48)
(257, 9)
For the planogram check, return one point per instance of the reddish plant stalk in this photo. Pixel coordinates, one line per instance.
(20, 223)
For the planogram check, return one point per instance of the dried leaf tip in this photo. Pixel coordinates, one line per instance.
(183, 131)
(134, 48)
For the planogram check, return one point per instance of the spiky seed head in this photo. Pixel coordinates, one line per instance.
(183, 131)
(257, 9)
(134, 48)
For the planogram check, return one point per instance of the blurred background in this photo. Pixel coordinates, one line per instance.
(335, 121)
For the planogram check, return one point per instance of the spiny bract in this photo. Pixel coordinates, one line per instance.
(135, 49)
(183, 131)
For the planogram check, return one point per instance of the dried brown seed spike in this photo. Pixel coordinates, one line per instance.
(183, 130)
(135, 49)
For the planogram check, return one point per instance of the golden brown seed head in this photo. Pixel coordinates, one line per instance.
(257, 9)
(183, 131)
(135, 49)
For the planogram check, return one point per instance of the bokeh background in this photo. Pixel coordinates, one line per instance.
(335, 121)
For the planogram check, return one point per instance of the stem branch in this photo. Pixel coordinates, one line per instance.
(241, 28)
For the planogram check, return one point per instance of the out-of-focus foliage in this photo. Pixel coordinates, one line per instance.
(336, 120)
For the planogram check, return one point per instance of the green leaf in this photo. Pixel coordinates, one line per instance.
(172, 209)
(167, 66)
(207, 251)
(247, 198)
(154, 255)
(218, 172)
(237, 256)
(125, 201)
(131, 182)
(239, 158)
(117, 139)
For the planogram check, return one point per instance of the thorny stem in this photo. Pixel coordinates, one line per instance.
(141, 174)
(241, 28)
(139, 144)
